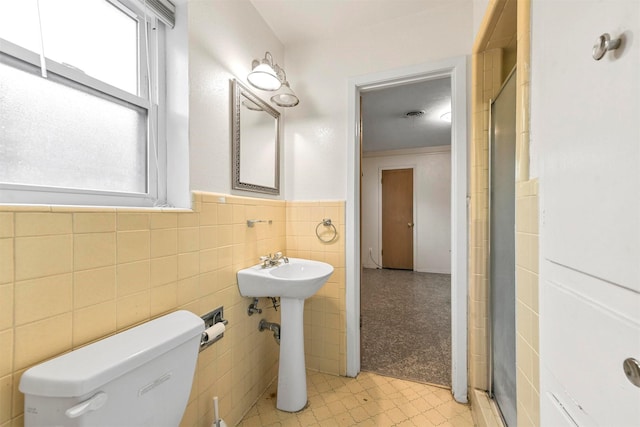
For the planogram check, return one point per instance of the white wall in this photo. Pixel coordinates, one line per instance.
(316, 130)
(177, 102)
(224, 37)
(432, 178)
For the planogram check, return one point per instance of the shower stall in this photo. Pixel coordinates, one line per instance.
(502, 284)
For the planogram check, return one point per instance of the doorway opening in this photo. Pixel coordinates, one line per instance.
(356, 250)
(406, 230)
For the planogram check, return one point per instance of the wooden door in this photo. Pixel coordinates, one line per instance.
(397, 219)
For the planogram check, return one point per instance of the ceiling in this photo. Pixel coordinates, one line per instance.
(298, 21)
(385, 126)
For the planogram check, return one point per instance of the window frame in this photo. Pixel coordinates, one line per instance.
(151, 81)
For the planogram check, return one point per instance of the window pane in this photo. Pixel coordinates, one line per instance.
(19, 23)
(52, 134)
(91, 35)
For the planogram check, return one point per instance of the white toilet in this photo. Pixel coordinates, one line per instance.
(140, 377)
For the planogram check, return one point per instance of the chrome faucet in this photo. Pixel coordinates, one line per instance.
(273, 260)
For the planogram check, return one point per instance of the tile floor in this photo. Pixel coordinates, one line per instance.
(369, 400)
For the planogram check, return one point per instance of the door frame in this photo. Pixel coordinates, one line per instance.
(413, 177)
(456, 69)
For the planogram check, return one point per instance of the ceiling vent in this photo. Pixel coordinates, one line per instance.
(414, 114)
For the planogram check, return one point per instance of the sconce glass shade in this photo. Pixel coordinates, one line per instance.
(285, 96)
(264, 77)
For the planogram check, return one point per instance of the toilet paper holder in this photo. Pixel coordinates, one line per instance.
(211, 319)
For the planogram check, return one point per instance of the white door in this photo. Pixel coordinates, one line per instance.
(585, 131)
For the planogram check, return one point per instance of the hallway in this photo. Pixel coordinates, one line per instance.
(406, 325)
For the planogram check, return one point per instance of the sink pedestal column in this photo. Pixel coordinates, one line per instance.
(292, 376)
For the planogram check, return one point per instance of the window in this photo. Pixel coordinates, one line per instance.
(79, 101)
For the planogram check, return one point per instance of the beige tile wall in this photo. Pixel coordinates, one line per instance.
(527, 238)
(523, 79)
(325, 312)
(527, 318)
(70, 276)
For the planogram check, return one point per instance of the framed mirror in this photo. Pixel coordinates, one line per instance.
(255, 141)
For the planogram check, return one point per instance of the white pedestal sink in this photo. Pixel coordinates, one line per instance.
(293, 282)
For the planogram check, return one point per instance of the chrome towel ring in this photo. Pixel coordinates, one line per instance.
(332, 231)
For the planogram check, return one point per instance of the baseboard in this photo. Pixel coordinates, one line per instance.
(432, 270)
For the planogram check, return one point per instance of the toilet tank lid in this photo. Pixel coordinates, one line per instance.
(88, 368)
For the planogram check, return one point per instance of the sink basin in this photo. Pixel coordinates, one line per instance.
(299, 278)
(293, 282)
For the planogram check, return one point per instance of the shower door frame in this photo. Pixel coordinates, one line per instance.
(456, 69)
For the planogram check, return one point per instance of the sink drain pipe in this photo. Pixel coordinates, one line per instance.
(275, 327)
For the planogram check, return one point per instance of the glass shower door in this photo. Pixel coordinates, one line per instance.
(502, 289)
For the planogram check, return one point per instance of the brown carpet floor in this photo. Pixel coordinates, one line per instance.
(406, 325)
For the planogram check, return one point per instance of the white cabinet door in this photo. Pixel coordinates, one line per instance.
(588, 330)
(585, 127)
(588, 126)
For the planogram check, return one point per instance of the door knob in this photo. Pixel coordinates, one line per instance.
(410, 224)
(632, 370)
(604, 43)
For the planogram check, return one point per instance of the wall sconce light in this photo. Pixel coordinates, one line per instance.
(263, 74)
(285, 97)
(267, 75)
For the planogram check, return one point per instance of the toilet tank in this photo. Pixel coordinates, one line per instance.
(139, 377)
